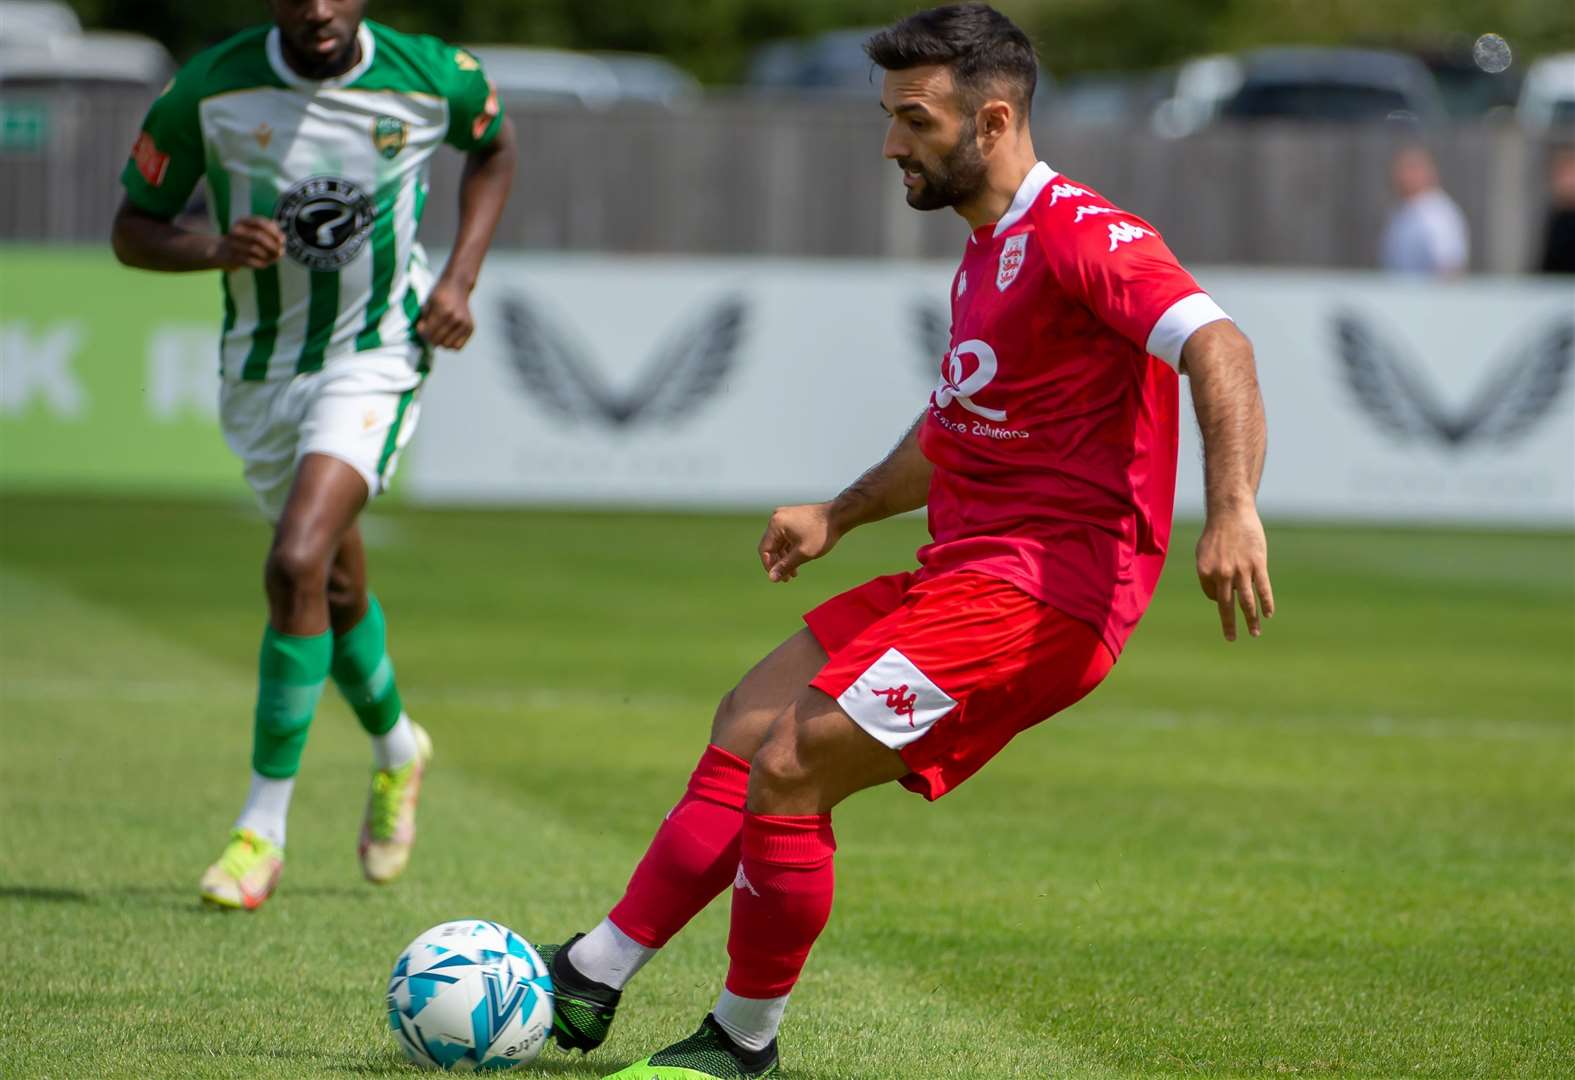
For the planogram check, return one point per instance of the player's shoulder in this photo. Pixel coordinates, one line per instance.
(238, 62)
(419, 63)
(1072, 214)
(1064, 201)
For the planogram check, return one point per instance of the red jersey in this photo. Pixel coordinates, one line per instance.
(1053, 430)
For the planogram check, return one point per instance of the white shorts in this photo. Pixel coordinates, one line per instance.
(360, 409)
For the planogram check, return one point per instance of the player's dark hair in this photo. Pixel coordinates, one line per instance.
(985, 51)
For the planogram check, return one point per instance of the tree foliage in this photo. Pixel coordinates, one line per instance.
(713, 38)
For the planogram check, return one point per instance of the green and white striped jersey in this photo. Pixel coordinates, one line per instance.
(341, 165)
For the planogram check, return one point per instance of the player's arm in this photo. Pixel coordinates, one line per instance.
(166, 163)
(1233, 555)
(1118, 265)
(478, 127)
(797, 534)
(149, 242)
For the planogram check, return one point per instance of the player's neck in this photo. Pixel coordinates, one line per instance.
(1000, 186)
(328, 69)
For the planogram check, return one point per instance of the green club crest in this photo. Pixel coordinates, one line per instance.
(389, 135)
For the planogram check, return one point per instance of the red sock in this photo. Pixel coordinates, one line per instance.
(781, 901)
(694, 855)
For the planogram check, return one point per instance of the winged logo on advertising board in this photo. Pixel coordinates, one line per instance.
(687, 368)
(1523, 388)
(932, 333)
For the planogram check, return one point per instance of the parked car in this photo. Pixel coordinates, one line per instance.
(1117, 99)
(652, 79)
(1333, 86)
(37, 20)
(1547, 96)
(42, 43)
(832, 64)
(103, 58)
(1201, 85)
(591, 80)
(1469, 92)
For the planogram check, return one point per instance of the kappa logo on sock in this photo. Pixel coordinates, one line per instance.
(742, 882)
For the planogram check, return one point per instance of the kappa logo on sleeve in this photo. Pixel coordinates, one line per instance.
(1090, 211)
(894, 701)
(1066, 191)
(151, 163)
(1125, 232)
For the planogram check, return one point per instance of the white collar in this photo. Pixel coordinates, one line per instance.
(291, 77)
(1040, 175)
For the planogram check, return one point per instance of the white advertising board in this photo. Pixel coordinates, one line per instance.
(746, 382)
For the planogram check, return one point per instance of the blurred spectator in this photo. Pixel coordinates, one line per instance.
(1558, 244)
(1426, 233)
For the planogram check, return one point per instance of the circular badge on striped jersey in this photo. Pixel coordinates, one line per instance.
(326, 220)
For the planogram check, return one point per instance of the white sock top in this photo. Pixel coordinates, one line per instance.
(267, 805)
(610, 956)
(750, 1022)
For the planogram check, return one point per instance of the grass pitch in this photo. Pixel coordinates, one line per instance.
(1344, 849)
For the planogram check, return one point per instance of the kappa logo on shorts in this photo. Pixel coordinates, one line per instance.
(894, 701)
(899, 701)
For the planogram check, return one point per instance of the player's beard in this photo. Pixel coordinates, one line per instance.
(956, 178)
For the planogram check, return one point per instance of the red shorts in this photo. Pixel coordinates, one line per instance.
(946, 670)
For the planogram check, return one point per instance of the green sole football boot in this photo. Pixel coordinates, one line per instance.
(708, 1054)
(582, 1009)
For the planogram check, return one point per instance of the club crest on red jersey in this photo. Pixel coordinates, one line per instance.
(1012, 257)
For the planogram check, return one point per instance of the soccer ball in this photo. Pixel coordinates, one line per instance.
(470, 995)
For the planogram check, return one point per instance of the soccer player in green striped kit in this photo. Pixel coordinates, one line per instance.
(314, 135)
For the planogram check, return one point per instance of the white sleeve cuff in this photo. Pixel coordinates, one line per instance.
(1179, 322)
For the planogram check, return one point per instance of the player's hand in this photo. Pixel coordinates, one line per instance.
(446, 322)
(794, 536)
(1233, 567)
(253, 243)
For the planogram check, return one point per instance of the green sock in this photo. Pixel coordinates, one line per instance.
(290, 676)
(365, 674)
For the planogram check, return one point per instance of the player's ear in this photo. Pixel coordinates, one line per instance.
(995, 118)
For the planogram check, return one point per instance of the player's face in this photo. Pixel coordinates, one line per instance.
(931, 137)
(319, 35)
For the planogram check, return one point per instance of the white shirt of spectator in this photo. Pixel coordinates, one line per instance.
(1426, 235)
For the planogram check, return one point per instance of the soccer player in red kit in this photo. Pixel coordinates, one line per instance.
(1047, 459)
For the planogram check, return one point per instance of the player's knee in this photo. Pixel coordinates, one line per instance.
(295, 568)
(346, 595)
(781, 767)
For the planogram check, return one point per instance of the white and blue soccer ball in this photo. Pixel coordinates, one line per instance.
(470, 995)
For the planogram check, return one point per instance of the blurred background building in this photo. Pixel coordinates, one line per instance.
(750, 126)
(736, 143)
